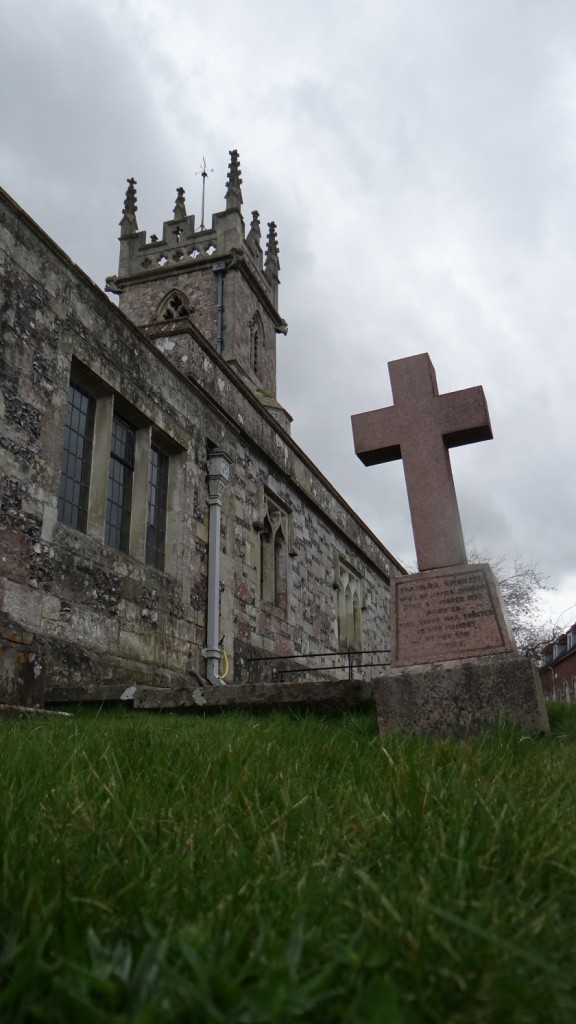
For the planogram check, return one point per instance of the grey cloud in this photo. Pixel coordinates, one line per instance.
(419, 160)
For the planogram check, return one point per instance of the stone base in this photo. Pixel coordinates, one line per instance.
(460, 698)
(22, 670)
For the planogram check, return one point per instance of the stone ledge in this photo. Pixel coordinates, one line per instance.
(333, 696)
(460, 698)
(19, 711)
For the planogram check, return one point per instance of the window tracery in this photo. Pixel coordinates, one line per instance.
(274, 535)
(174, 306)
(256, 344)
(349, 603)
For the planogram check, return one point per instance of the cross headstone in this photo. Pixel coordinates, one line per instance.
(419, 429)
(454, 666)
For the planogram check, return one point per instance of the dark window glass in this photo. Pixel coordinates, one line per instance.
(255, 341)
(157, 505)
(120, 476)
(76, 459)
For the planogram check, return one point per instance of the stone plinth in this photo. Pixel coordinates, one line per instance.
(445, 614)
(323, 694)
(460, 698)
(22, 666)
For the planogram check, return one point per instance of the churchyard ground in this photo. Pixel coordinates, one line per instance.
(284, 867)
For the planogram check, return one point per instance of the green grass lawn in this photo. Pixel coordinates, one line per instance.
(282, 868)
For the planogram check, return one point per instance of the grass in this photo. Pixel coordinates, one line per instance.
(284, 868)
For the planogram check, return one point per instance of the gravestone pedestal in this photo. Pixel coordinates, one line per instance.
(460, 698)
(455, 669)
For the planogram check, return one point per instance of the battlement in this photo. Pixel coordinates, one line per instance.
(216, 279)
(183, 246)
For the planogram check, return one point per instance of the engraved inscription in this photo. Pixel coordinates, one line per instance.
(447, 615)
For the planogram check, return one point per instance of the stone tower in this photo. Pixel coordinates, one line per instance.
(203, 285)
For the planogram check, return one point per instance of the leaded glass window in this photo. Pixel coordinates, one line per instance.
(120, 474)
(157, 506)
(76, 459)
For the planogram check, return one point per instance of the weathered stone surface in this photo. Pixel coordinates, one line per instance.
(19, 711)
(76, 674)
(328, 695)
(420, 428)
(460, 698)
(22, 667)
(71, 590)
(446, 614)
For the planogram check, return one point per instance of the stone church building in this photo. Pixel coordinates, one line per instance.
(158, 525)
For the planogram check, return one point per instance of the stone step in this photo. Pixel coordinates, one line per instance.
(335, 696)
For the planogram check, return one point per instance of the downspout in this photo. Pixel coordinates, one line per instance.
(218, 475)
(553, 694)
(220, 270)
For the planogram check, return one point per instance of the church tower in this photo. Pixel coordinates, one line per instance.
(206, 285)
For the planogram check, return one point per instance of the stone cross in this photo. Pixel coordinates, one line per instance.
(419, 429)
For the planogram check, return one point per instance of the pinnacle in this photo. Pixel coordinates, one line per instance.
(233, 182)
(180, 207)
(128, 224)
(272, 252)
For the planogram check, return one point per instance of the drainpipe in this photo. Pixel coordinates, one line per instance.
(220, 270)
(553, 694)
(218, 475)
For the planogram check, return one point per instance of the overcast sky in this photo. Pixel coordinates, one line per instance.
(419, 158)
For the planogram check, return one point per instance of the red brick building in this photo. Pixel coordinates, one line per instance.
(558, 668)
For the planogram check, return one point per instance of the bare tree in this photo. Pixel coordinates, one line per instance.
(524, 588)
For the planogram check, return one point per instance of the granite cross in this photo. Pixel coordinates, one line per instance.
(419, 429)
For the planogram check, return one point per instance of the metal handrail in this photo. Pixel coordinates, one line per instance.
(320, 654)
(349, 655)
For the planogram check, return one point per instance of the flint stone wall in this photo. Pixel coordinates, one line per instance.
(89, 606)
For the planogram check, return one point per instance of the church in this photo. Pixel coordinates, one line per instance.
(158, 525)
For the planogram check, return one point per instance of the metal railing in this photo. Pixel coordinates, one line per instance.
(354, 660)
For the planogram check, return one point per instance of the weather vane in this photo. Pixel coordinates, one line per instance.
(204, 171)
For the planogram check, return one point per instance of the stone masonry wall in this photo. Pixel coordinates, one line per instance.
(140, 301)
(101, 620)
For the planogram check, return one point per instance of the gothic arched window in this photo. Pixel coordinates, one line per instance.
(274, 555)
(349, 607)
(174, 306)
(280, 567)
(256, 344)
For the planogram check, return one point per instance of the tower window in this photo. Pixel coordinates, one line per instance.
(76, 459)
(254, 352)
(256, 343)
(120, 475)
(174, 306)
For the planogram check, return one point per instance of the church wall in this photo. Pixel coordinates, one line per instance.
(99, 620)
(140, 301)
(240, 306)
